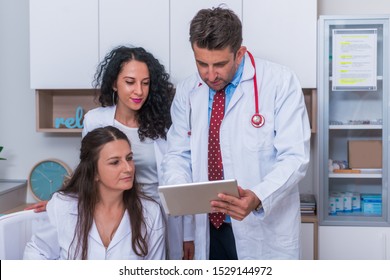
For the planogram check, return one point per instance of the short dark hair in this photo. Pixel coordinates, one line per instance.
(216, 29)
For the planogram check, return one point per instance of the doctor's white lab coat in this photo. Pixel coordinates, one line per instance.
(270, 160)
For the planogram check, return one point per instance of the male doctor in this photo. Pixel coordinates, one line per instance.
(221, 131)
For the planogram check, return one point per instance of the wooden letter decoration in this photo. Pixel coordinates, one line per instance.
(75, 122)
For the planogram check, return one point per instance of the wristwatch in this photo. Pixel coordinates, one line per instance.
(259, 207)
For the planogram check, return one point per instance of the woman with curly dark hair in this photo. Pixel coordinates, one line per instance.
(142, 103)
(135, 96)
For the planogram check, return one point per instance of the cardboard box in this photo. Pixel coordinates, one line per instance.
(365, 154)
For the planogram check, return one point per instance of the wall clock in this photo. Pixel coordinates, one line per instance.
(46, 177)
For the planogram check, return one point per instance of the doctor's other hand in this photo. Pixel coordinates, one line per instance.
(38, 207)
(188, 250)
(237, 208)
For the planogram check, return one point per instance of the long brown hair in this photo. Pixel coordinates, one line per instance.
(82, 185)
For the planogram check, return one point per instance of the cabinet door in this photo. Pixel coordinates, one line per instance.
(285, 32)
(354, 127)
(63, 43)
(353, 243)
(182, 12)
(139, 23)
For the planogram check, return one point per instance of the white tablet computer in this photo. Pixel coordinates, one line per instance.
(194, 198)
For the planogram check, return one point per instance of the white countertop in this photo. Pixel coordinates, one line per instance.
(10, 185)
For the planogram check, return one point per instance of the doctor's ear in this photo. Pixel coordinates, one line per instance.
(240, 54)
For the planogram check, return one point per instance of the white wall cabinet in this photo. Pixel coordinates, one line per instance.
(354, 243)
(63, 43)
(69, 38)
(140, 23)
(284, 32)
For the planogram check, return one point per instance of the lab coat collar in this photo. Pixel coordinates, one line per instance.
(122, 231)
(247, 74)
(249, 70)
(199, 102)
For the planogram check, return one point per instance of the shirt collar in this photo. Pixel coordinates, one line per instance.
(238, 75)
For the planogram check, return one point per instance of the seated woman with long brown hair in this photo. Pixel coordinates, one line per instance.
(100, 212)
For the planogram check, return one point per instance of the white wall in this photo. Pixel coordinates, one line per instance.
(23, 146)
(353, 7)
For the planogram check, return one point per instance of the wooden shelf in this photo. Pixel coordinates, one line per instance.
(60, 106)
(310, 96)
(309, 218)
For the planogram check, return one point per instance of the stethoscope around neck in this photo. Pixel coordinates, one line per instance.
(257, 119)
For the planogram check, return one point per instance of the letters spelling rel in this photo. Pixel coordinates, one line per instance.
(75, 122)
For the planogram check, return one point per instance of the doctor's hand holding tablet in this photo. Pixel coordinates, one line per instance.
(201, 197)
(207, 197)
(237, 207)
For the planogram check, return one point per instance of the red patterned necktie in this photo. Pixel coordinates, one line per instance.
(214, 151)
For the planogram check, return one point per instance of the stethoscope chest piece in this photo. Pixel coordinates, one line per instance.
(257, 120)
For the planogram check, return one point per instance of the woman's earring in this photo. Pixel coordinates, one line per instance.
(113, 97)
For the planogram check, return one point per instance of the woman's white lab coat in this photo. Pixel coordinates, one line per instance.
(53, 240)
(269, 160)
(104, 116)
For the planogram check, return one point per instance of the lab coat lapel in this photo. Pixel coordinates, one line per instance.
(247, 74)
(199, 99)
(94, 234)
(235, 97)
(199, 106)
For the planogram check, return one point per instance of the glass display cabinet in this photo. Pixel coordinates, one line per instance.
(353, 120)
